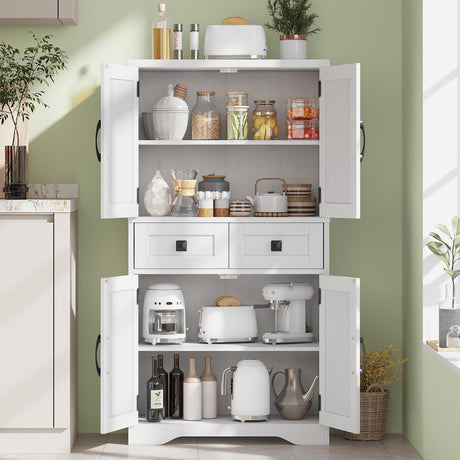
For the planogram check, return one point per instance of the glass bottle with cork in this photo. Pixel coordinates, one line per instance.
(161, 34)
(154, 399)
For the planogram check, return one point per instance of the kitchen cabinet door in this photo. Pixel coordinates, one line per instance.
(26, 321)
(339, 354)
(119, 360)
(339, 148)
(119, 147)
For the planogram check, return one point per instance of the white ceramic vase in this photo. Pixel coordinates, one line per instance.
(157, 196)
(293, 47)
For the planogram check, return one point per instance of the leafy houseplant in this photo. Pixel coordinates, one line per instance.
(447, 248)
(20, 72)
(380, 370)
(447, 251)
(293, 20)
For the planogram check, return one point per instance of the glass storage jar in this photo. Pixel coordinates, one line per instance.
(264, 123)
(205, 117)
(237, 115)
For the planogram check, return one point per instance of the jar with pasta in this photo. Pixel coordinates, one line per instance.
(264, 123)
(237, 115)
(205, 117)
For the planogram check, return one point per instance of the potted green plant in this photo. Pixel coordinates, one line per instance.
(380, 370)
(448, 250)
(19, 96)
(293, 20)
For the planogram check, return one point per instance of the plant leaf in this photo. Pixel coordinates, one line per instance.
(452, 273)
(456, 225)
(437, 237)
(443, 229)
(438, 249)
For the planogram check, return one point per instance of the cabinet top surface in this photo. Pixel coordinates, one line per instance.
(229, 65)
(42, 205)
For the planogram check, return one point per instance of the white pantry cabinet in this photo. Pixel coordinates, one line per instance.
(38, 326)
(209, 257)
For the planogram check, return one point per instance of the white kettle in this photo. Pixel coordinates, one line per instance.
(250, 390)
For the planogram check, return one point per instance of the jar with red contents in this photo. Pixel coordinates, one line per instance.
(303, 129)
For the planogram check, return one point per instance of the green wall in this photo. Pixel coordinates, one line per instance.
(430, 387)
(62, 139)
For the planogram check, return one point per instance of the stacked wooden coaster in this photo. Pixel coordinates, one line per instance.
(300, 201)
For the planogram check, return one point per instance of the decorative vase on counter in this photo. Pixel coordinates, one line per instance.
(15, 172)
(192, 393)
(157, 196)
(449, 313)
(209, 390)
(293, 46)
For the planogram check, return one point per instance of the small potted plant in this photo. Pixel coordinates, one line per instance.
(379, 371)
(20, 71)
(448, 250)
(293, 20)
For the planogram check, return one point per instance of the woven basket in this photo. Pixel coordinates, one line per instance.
(373, 414)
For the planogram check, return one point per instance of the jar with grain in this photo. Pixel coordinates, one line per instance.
(205, 117)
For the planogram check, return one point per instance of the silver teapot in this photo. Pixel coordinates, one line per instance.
(293, 403)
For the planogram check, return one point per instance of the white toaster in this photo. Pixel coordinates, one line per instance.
(227, 324)
(235, 42)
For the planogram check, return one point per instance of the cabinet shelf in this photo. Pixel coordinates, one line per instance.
(224, 142)
(249, 347)
(249, 219)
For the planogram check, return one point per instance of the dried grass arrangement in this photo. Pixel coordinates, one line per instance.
(381, 367)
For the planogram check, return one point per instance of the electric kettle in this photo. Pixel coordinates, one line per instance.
(250, 390)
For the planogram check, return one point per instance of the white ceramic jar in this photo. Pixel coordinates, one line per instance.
(170, 117)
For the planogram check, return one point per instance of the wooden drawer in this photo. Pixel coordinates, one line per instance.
(277, 245)
(187, 245)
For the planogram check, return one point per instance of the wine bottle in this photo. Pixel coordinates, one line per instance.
(176, 390)
(209, 388)
(192, 393)
(154, 409)
(164, 381)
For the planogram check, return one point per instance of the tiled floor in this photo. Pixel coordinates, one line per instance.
(114, 447)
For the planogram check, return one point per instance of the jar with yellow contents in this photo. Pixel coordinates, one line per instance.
(264, 124)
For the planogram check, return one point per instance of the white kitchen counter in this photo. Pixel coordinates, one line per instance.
(44, 198)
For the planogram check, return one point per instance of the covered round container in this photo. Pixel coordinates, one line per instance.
(170, 117)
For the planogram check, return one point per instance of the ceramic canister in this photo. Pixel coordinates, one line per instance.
(213, 183)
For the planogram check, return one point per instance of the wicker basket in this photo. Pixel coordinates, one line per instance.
(374, 408)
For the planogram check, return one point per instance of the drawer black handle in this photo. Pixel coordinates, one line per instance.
(181, 245)
(98, 368)
(276, 245)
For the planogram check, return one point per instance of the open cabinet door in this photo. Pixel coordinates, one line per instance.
(119, 359)
(119, 147)
(339, 354)
(339, 148)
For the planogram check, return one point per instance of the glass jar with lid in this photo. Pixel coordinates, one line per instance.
(237, 115)
(205, 117)
(264, 122)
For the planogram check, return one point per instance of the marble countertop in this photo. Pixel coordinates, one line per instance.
(44, 198)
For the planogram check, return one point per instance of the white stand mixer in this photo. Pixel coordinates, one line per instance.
(288, 301)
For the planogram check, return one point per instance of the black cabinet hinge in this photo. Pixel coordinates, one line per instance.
(319, 296)
(137, 195)
(319, 195)
(319, 403)
(319, 88)
(137, 296)
(138, 88)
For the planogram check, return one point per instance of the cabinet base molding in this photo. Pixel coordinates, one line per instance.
(38, 441)
(303, 432)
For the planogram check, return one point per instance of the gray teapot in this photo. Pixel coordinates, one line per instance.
(293, 402)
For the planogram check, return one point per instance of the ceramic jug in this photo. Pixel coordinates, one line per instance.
(293, 402)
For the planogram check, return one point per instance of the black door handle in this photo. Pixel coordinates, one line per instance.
(98, 128)
(361, 127)
(276, 245)
(98, 368)
(181, 245)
